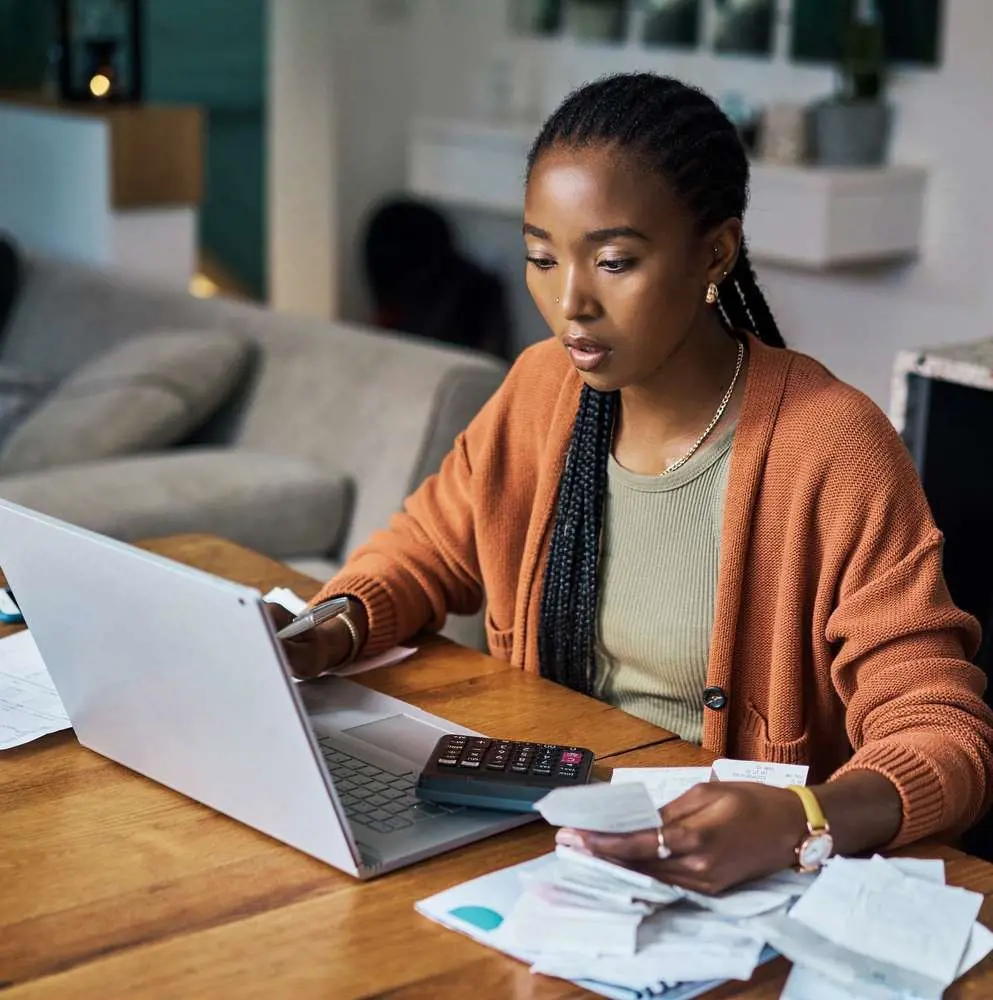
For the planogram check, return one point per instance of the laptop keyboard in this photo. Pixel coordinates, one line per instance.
(376, 798)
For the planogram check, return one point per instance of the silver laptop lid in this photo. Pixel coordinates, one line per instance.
(176, 674)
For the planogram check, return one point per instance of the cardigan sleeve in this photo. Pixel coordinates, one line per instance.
(914, 705)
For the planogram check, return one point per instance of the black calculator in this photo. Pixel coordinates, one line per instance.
(500, 774)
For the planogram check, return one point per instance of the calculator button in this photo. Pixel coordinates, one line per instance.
(473, 764)
(541, 772)
(572, 757)
(568, 772)
(448, 761)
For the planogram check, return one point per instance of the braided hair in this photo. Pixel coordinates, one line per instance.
(680, 133)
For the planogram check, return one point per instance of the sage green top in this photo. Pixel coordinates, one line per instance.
(659, 559)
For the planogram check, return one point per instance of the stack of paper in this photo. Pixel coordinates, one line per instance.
(614, 931)
(869, 929)
(582, 918)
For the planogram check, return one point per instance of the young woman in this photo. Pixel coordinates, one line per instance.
(667, 509)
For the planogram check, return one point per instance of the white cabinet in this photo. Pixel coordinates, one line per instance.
(804, 217)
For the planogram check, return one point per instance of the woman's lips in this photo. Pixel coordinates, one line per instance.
(586, 355)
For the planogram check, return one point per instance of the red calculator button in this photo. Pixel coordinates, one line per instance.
(571, 757)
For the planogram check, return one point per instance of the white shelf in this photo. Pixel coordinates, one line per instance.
(806, 217)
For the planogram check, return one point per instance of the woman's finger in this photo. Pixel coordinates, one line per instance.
(645, 845)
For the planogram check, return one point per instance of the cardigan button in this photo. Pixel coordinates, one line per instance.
(714, 698)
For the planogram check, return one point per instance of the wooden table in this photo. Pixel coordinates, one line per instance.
(111, 885)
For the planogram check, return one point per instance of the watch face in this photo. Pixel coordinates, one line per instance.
(815, 850)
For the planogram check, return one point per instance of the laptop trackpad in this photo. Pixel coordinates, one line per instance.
(400, 734)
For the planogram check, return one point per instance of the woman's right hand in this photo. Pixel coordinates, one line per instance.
(319, 649)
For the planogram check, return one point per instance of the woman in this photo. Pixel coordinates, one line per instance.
(690, 521)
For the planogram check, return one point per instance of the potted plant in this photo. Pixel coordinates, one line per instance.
(852, 129)
(597, 20)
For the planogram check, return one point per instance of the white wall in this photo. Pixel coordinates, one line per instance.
(340, 95)
(55, 183)
(394, 59)
(300, 143)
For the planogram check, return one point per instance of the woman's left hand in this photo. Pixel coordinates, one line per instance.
(719, 834)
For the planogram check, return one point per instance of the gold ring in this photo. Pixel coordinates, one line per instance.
(663, 851)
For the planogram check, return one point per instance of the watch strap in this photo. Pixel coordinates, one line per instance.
(816, 820)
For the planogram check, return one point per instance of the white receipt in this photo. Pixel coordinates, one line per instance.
(295, 604)
(805, 983)
(663, 783)
(30, 706)
(601, 808)
(877, 911)
(780, 775)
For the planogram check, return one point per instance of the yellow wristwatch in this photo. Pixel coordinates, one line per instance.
(818, 845)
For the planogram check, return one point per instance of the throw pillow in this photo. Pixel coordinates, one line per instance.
(20, 393)
(146, 393)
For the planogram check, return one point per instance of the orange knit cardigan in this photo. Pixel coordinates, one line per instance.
(835, 641)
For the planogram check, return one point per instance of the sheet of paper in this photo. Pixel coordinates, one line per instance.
(599, 879)
(295, 604)
(565, 928)
(672, 948)
(929, 869)
(780, 775)
(600, 807)
(876, 910)
(806, 947)
(803, 983)
(739, 904)
(664, 784)
(30, 706)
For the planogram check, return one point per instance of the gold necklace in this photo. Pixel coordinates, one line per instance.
(717, 416)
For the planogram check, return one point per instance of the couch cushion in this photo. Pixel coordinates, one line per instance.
(146, 393)
(20, 393)
(276, 504)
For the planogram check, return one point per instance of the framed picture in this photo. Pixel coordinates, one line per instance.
(745, 27)
(912, 29)
(672, 23)
(100, 50)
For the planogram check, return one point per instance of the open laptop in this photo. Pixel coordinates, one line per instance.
(178, 675)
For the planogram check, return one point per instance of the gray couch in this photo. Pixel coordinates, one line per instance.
(328, 430)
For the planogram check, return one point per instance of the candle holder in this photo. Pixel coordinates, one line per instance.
(100, 50)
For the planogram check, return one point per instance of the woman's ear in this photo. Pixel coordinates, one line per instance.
(725, 242)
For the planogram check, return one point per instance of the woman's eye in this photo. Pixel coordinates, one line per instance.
(615, 265)
(542, 263)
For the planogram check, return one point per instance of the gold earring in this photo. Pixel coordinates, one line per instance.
(711, 294)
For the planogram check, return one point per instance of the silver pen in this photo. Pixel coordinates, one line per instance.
(313, 617)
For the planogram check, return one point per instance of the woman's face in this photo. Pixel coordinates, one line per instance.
(616, 264)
